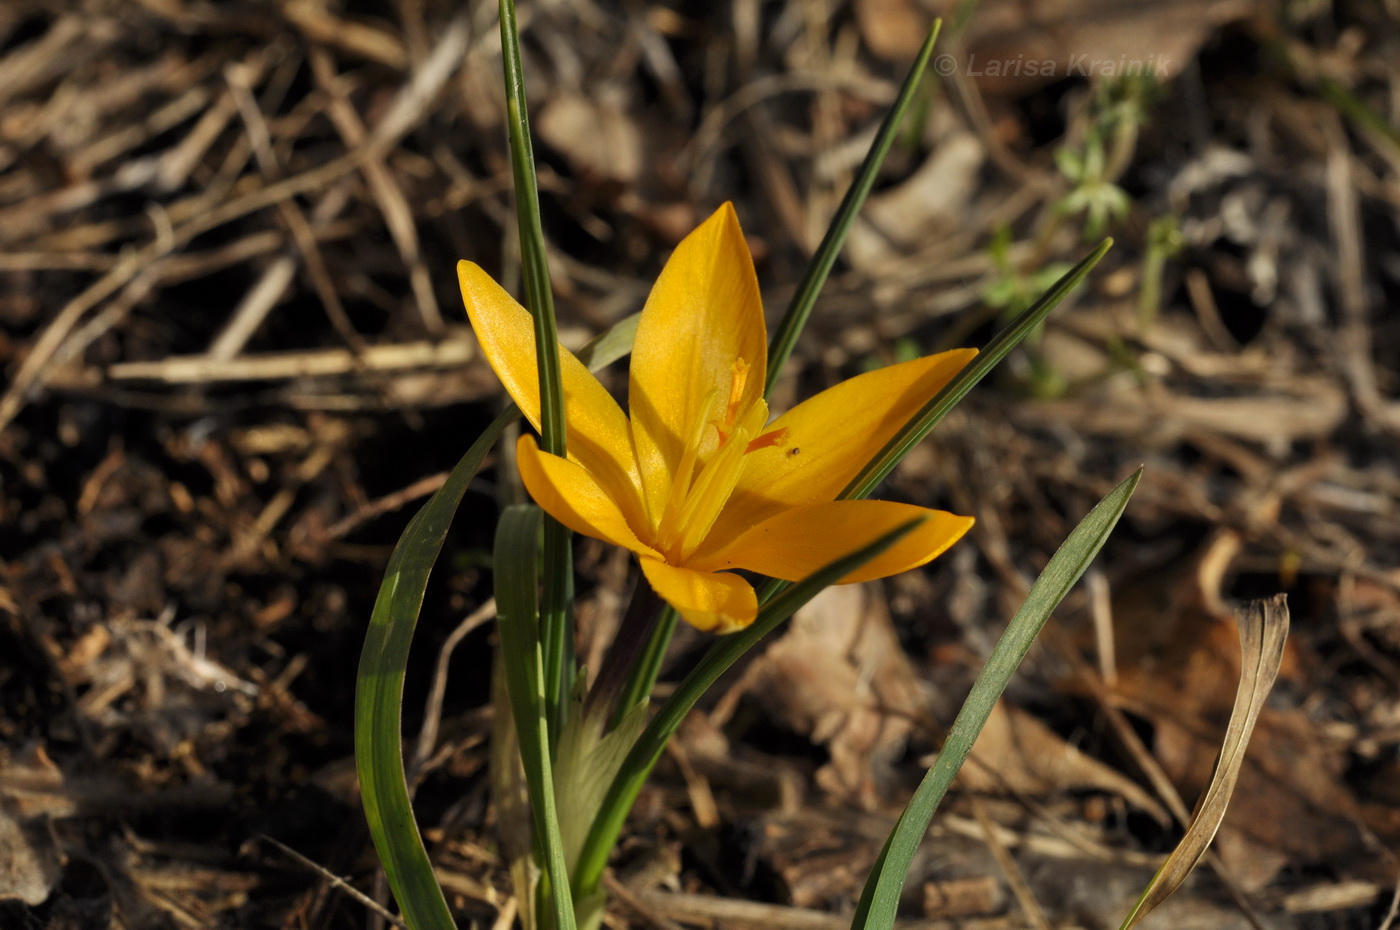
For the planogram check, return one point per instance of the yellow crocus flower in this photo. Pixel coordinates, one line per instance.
(697, 481)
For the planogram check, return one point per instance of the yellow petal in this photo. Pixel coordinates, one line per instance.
(829, 439)
(569, 494)
(598, 436)
(712, 603)
(704, 315)
(797, 542)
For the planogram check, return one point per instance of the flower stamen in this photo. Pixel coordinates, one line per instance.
(718, 479)
(669, 524)
(738, 377)
(711, 492)
(777, 437)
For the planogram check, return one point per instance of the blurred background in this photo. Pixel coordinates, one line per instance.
(236, 361)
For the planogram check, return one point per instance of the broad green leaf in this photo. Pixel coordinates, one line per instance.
(379, 696)
(880, 899)
(800, 308)
(379, 688)
(1263, 632)
(517, 605)
(725, 651)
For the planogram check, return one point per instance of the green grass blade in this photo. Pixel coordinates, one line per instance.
(517, 604)
(880, 898)
(539, 298)
(785, 338)
(379, 696)
(945, 400)
(379, 688)
(726, 650)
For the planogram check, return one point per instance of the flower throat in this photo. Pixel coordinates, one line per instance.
(698, 496)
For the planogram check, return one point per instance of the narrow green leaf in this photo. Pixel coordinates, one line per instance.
(517, 605)
(626, 654)
(611, 344)
(726, 650)
(880, 898)
(379, 687)
(954, 391)
(923, 422)
(643, 677)
(798, 311)
(379, 696)
(1263, 632)
(556, 630)
(539, 298)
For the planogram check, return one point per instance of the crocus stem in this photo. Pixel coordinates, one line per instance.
(629, 644)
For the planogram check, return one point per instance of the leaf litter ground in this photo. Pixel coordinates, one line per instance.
(235, 362)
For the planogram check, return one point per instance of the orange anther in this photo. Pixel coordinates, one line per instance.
(738, 377)
(775, 438)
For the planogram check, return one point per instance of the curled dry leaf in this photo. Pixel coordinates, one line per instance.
(1263, 631)
(1293, 807)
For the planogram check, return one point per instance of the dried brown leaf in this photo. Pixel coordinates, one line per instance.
(1263, 631)
(840, 677)
(1017, 752)
(595, 134)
